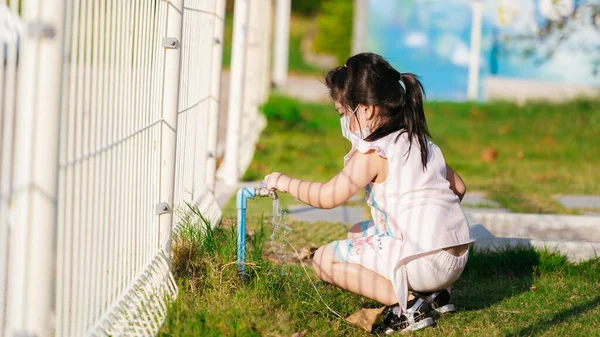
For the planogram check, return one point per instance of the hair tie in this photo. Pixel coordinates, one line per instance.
(402, 83)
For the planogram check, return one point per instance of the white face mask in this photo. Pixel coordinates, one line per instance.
(344, 121)
(363, 133)
(347, 133)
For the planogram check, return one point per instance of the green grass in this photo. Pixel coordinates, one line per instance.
(519, 292)
(299, 26)
(542, 150)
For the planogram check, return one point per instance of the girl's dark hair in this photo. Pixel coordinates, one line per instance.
(369, 79)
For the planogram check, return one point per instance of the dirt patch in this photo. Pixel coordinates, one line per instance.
(281, 253)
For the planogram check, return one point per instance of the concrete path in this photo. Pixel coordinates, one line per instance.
(588, 204)
(343, 214)
(306, 88)
(478, 202)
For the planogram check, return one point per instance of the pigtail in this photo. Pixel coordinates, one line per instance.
(414, 115)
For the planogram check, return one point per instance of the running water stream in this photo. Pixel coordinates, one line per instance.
(280, 231)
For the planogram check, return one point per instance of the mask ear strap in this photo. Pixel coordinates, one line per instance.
(355, 110)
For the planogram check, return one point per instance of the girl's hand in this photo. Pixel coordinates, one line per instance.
(273, 181)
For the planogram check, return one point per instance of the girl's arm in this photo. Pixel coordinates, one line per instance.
(457, 185)
(358, 172)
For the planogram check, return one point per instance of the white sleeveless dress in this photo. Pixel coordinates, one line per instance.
(413, 211)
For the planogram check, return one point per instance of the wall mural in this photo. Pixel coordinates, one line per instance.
(546, 40)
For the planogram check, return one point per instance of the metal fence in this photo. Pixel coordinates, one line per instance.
(11, 29)
(198, 114)
(109, 114)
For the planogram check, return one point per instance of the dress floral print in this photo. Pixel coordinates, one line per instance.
(358, 245)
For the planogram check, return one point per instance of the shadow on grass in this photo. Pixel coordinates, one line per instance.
(544, 322)
(491, 277)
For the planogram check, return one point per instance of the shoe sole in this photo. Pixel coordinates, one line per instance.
(417, 326)
(445, 309)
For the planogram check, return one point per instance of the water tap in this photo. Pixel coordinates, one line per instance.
(263, 191)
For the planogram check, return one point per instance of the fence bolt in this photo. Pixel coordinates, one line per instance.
(41, 30)
(162, 208)
(170, 43)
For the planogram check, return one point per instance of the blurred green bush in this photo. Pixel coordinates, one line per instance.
(299, 7)
(306, 7)
(334, 24)
(334, 29)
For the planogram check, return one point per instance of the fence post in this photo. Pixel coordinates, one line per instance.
(172, 50)
(282, 42)
(473, 84)
(215, 91)
(231, 170)
(8, 43)
(266, 52)
(359, 27)
(33, 214)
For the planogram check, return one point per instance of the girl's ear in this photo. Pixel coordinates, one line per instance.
(369, 111)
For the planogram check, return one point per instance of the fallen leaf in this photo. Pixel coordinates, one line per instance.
(489, 154)
(300, 334)
(219, 161)
(272, 259)
(533, 288)
(549, 141)
(365, 318)
(306, 253)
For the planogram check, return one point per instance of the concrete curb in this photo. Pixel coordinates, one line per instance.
(576, 236)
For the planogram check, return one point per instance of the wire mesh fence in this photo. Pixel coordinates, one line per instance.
(109, 114)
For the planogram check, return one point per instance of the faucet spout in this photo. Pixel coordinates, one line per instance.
(264, 192)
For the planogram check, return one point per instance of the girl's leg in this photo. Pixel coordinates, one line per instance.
(352, 277)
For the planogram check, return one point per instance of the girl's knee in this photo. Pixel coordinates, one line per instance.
(322, 261)
(318, 259)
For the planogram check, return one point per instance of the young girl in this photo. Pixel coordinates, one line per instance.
(419, 237)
